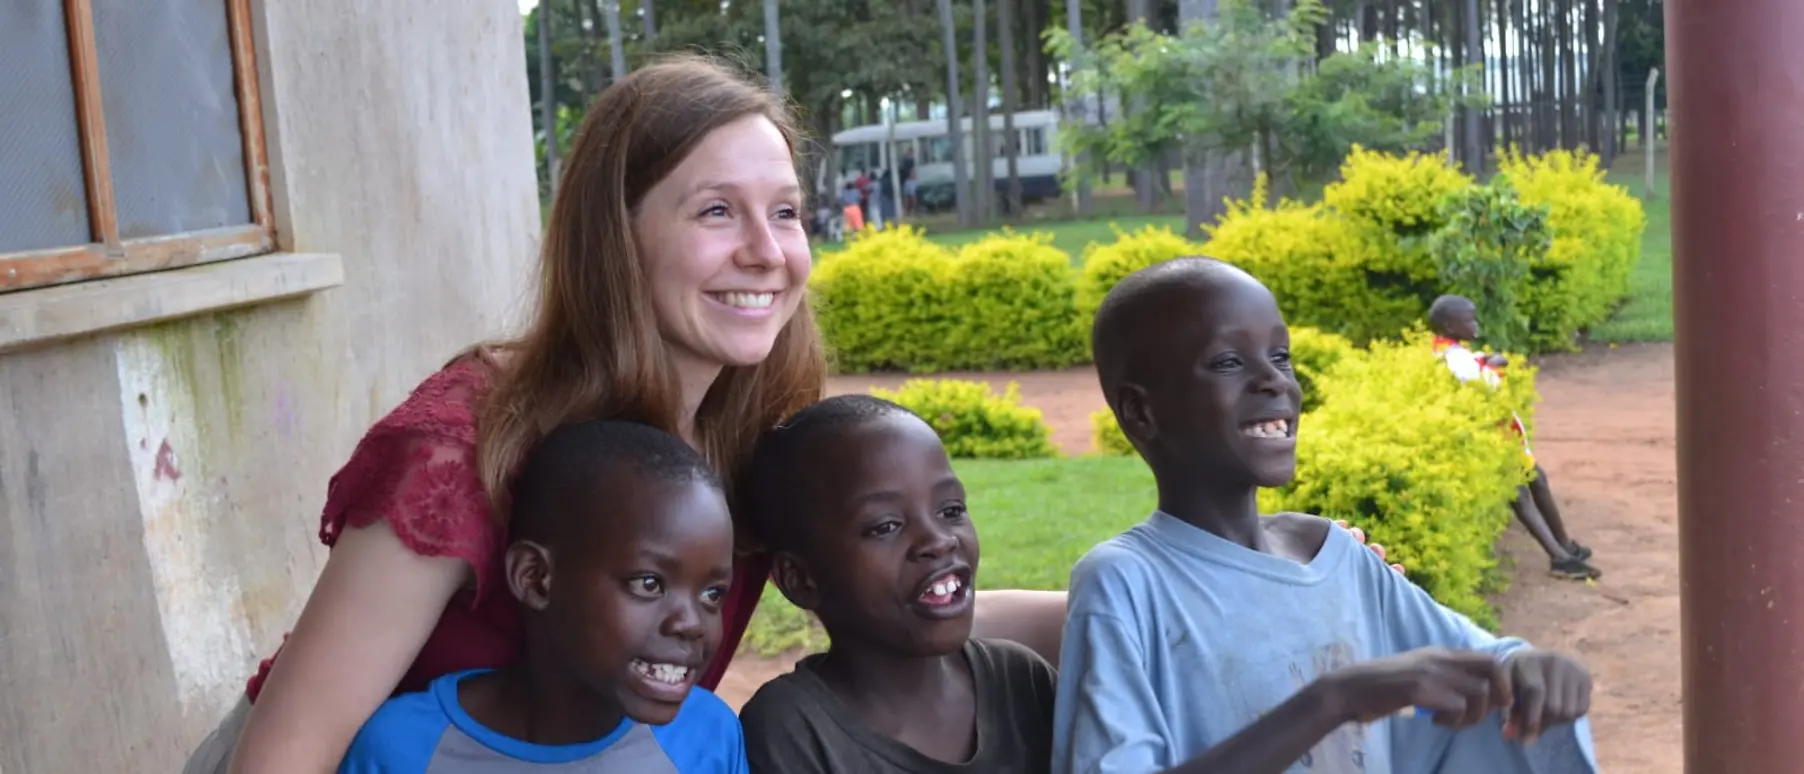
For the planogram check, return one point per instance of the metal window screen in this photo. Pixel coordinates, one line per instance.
(166, 83)
(43, 197)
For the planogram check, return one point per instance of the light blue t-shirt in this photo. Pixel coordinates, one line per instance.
(429, 733)
(1177, 639)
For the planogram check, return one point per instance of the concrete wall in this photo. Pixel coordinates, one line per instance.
(160, 488)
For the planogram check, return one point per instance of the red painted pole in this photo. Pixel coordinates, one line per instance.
(1736, 94)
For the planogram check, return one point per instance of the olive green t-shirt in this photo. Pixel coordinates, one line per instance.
(796, 725)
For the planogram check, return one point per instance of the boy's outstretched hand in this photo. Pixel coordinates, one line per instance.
(1550, 689)
(1460, 687)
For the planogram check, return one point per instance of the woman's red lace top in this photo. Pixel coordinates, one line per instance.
(416, 471)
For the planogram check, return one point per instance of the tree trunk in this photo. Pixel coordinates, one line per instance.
(984, 148)
(1612, 118)
(616, 44)
(1589, 115)
(1501, 113)
(1074, 26)
(1549, 77)
(773, 46)
(1144, 186)
(961, 180)
(1563, 32)
(646, 18)
(548, 97)
(1011, 147)
(1208, 177)
(1034, 14)
(1474, 128)
(923, 108)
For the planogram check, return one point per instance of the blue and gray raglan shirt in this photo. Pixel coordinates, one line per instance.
(429, 733)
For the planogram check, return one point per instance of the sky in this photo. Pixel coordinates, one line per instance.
(527, 5)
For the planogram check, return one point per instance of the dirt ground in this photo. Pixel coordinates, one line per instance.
(1605, 438)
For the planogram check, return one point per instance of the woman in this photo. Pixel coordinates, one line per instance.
(672, 292)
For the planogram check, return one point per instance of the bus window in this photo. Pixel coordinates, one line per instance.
(1035, 142)
(939, 150)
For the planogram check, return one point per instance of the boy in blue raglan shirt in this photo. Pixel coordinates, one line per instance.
(1210, 638)
(621, 552)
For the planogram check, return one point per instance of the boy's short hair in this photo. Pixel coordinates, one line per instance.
(1119, 337)
(575, 462)
(779, 481)
(1446, 305)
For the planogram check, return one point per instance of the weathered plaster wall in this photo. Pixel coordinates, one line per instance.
(160, 488)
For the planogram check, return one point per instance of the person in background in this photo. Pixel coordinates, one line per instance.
(1454, 321)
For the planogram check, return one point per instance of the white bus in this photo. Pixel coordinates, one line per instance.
(1037, 161)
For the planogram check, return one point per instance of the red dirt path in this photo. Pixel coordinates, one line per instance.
(1606, 440)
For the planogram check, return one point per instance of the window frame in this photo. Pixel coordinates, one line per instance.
(108, 255)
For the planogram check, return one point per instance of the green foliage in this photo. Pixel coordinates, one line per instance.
(1431, 480)
(883, 302)
(1012, 299)
(1399, 194)
(893, 300)
(1106, 434)
(1248, 85)
(1363, 98)
(1106, 265)
(1397, 231)
(1597, 230)
(1484, 248)
(1313, 353)
(1326, 271)
(973, 421)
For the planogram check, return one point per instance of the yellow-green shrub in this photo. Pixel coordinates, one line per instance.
(881, 302)
(1400, 194)
(1596, 242)
(1106, 435)
(1011, 297)
(1313, 353)
(1319, 265)
(1423, 463)
(892, 300)
(1105, 265)
(973, 421)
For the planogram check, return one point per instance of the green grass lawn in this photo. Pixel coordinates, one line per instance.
(1034, 519)
(1647, 313)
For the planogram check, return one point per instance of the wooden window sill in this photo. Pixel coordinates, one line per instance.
(31, 318)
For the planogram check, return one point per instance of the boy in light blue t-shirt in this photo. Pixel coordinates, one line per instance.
(621, 552)
(1210, 638)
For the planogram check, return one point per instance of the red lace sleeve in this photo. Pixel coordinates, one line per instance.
(416, 470)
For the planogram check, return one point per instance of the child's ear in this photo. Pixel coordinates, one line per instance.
(794, 581)
(1134, 413)
(528, 567)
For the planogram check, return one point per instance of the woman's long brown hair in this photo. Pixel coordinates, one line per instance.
(593, 349)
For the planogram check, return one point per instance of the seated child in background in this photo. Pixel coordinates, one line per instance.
(621, 552)
(1454, 320)
(1210, 638)
(867, 520)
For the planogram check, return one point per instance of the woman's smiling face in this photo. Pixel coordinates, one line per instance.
(726, 255)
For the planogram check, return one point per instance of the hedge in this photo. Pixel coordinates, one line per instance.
(894, 301)
(1430, 480)
(1360, 264)
(1395, 445)
(973, 421)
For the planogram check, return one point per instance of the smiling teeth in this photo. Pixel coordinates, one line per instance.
(944, 587)
(749, 300)
(670, 674)
(1277, 428)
